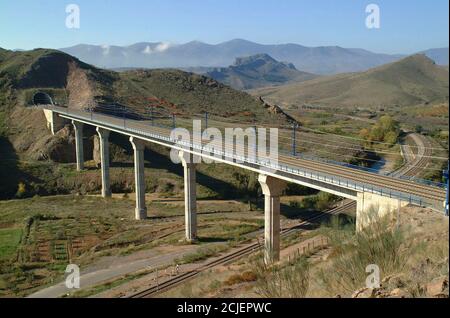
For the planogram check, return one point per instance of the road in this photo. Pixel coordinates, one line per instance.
(114, 269)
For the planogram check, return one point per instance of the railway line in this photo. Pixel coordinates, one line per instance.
(417, 161)
(245, 251)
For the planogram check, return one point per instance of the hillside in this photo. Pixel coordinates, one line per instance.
(186, 93)
(257, 71)
(411, 81)
(25, 141)
(316, 60)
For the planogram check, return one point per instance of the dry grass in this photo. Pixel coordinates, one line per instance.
(282, 281)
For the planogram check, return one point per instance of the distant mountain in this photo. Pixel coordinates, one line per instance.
(316, 60)
(256, 71)
(411, 81)
(440, 56)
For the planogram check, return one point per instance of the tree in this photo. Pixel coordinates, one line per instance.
(418, 129)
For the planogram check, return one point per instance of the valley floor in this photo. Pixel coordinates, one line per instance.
(128, 256)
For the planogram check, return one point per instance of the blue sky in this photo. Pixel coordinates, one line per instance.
(407, 26)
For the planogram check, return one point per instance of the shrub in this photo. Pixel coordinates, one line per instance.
(290, 281)
(294, 204)
(324, 201)
(21, 190)
(379, 244)
(245, 277)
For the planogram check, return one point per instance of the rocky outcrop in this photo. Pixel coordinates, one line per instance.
(438, 288)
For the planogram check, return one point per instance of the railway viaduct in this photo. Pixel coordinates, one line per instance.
(375, 194)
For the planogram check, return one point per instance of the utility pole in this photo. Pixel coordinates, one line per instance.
(123, 114)
(151, 115)
(294, 139)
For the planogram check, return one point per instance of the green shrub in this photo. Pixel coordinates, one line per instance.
(21, 190)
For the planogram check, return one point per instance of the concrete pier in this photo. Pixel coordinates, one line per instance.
(104, 154)
(272, 189)
(190, 195)
(79, 145)
(54, 121)
(139, 175)
(371, 208)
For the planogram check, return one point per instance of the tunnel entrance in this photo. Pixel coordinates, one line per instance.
(41, 98)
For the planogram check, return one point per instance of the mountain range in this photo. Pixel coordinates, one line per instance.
(256, 71)
(316, 60)
(414, 80)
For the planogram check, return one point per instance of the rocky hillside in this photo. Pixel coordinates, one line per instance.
(257, 71)
(25, 139)
(410, 81)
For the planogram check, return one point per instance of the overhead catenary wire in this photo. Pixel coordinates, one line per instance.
(223, 123)
(333, 134)
(302, 140)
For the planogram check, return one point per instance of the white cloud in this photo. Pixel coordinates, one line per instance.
(105, 49)
(161, 47)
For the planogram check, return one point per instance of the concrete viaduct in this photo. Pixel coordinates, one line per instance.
(373, 192)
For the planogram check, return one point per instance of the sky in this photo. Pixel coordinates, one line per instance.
(406, 26)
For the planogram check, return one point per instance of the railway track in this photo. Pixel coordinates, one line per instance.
(420, 159)
(245, 251)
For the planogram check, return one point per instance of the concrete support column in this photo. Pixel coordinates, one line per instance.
(190, 195)
(79, 145)
(104, 154)
(272, 189)
(54, 122)
(371, 208)
(141, 209)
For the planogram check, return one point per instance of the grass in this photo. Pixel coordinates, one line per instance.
(379, 244)
(9, 242)
(282, 280)
(378, 88)
(202, 254)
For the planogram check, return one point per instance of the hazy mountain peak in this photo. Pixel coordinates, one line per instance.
(264, 58)
(259, 70)
(318, 60)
